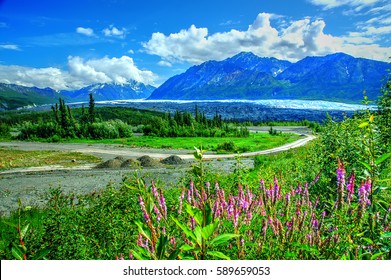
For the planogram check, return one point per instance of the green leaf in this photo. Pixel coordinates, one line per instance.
(366, 165)
(187, 247)
(142, 231)
(386, 235)
(363, 124)
(40, 255)
(208, 214)
(17, 253)
(375, 256)
(198, 234)
(208, 230)
(369, 241)
(138, 256)
(195, 213)
(218, 255)
(24, 231)
(189, 234)
(161, 248)
(174, 255)
(382, 158)
(223, 238)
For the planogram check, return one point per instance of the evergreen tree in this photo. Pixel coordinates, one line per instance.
(91, 109)
(64, 119)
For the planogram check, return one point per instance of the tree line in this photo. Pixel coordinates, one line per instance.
(184, 124)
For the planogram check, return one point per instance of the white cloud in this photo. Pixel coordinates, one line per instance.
(291, 42)
(39, 77)
(359, 4)
(117, 70)
(10, 47)
(80, 73)
(164, 63)
(113, 31)
(85, 31)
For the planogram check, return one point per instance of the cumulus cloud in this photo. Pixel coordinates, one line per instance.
(113, 31)
(39, 77)
(10, 47)
(293, 42)
(359, 4)
(85, 31)
(80, 73)
(117, 70)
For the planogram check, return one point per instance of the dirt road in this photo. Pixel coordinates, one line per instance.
(32, 184)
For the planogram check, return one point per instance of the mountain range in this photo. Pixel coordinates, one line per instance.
(335, 77)
(14, 96)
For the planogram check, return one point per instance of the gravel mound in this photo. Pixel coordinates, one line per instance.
(147, 161)
(111, 163)
(172, 160)
(130, 163)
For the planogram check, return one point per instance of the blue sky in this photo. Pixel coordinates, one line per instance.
(74, 43)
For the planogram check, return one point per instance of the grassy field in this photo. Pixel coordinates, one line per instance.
(10, 158)
(255, 142)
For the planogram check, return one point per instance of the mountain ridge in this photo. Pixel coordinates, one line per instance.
(334, 77)
(16, 96)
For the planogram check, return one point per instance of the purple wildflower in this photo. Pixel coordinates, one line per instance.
(142, 205)
(236, 216)
(350, 187)
(162, 204)
(157, 212)
(230, 207)
(181, 200)
(340, 183)
(192, 223)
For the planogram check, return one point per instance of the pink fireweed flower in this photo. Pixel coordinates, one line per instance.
(192, 223)
(240, 193)
(203, 194)
(216, 209)
(230, 207)
(181, 200)
(350, 187)
(140, 241)
(189, 196)
(340, 183)
(217, 187)
(154, 190)
(121, 257)
(262, 185)
(242, 242)
(315, 224)
(162, 204)
(276, 189)
(298, 189)
(288, 198)
(173, 241)
(145, 213)
(340, 173)
(207, 185)
(264, 227)
(236, 216)
(157, 212)
(363, 193)
(221, 195)
(289, 225)
(131, 256)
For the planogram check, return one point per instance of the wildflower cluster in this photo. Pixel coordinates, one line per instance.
(267, 222)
